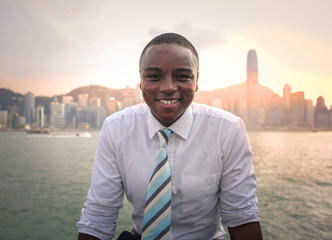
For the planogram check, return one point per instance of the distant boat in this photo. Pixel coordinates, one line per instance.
(39, 131)
(83, 134)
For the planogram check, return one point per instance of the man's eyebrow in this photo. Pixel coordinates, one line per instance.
(152, 69)
(159, 69)
(184, 70)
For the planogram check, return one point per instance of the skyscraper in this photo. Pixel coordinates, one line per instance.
(253, 106)
(287, 92)
(321, 114)
(252, 67)
(57, 116)
(40, 116)
(29, 107)
(286, 106)
(298, 109)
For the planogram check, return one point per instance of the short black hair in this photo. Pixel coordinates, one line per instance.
(170, 38)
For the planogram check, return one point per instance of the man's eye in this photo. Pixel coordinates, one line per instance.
(183, 77)
(153, 77)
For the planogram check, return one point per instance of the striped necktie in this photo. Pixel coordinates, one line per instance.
(157, 212)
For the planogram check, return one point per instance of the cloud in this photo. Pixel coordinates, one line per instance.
(202, 38)
(49, 37)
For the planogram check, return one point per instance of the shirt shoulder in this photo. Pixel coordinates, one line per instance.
(129, 121)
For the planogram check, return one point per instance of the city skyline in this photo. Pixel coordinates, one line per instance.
(89, 106)
(52, 47)
(204, 90)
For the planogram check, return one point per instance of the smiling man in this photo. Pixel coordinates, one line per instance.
(169, 75)
(185, 168)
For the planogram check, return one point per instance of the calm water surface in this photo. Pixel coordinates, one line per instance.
(45, 179)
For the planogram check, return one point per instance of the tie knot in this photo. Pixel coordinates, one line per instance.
(164, 136)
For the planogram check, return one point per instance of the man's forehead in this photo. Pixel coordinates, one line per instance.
(167, 47)
(155, 52)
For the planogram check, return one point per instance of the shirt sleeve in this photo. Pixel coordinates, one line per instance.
(105, 196)
(239, 204)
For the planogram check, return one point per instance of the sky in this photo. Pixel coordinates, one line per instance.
(51, 47)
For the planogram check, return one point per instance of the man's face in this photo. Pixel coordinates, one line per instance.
(169, 75)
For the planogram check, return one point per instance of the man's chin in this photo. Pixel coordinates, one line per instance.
(169, 120)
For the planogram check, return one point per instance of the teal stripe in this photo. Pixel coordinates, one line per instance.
(158, 228)
(162, 155)
(157, 206)
(157, 182)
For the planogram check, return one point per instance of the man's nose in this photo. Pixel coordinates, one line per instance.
(168, 85)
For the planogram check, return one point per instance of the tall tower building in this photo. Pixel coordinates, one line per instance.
(29, 107)
(287, 92)
(253, 106)
(57, 115)
(321, 113)
(40, 116)
(71, 114)
(3, 119)
(286, 104)
(298, 109)
(252, 67)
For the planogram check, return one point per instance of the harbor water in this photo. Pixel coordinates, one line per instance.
(45, 179)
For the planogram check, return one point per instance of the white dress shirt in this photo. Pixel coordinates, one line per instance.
(213, 180)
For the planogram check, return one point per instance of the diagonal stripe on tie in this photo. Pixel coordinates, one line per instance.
(157, 204)
(162, 188)
(157, 212)
(158, 216)
(157, 182)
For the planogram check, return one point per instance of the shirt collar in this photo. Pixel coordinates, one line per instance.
(181, 127)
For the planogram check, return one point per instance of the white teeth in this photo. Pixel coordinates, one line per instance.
(168, 102)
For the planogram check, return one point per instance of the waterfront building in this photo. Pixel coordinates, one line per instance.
(83, 99)
(298, 110)
(57, 115)
(40, 123)
(310, 112)
(270, 112)
(67, 99)
(12, 110)
(238, 107)
(322, 114)
(19, 121)
(3, 119)
(93, 115)
(94, 101)
(286, 104)
(253, 96)
(29, 107)
(71, 115)
(276, 108)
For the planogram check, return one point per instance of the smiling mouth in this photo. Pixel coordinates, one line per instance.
(169, 102)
